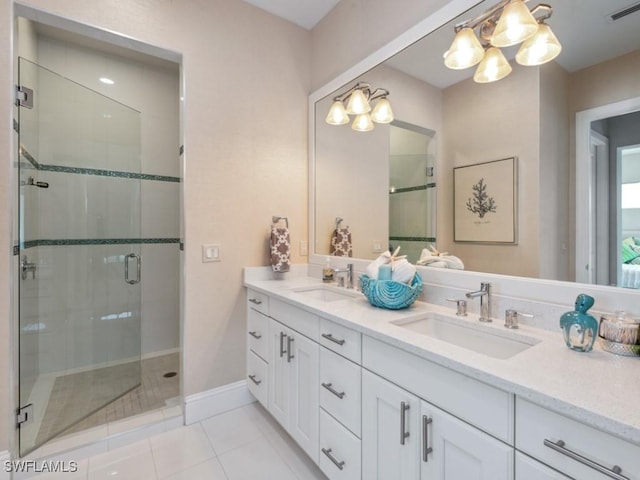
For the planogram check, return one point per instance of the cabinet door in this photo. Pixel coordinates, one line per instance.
(278, 373)
(390, 433)
(459, 450)
(303, 360)
(529, 469)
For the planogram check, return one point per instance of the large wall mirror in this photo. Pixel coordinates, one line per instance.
(571, 126)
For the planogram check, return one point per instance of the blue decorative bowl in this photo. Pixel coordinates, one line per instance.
(389, 294)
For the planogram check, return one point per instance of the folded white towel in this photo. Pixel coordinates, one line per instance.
(442, 261)
(372, 268)
(402, 271)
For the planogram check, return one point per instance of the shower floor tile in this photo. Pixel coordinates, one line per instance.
(79, 394)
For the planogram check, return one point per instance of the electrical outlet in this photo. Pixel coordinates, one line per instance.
(304, 250)
(210, 253)
(377, 246)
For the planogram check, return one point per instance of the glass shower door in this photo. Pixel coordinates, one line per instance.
(79, 246)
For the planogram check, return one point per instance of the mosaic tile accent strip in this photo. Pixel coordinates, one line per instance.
(413, 239)
(107, 173)
(95, 171)
(413, 189)
(96, 241)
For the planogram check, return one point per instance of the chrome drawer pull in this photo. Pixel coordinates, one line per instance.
(255, 301)
(404, 407)
(425, 438)
(283, 335)
(329, 386)
(253, 379)
(559, 446)
(290, 355)
(330, 337)
(327, 452)
(255, 335)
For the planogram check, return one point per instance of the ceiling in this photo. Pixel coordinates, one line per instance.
(583, 27)
(305, 13)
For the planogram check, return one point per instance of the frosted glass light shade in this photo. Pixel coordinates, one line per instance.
(362, 123)
(382, 112)
(358, 103)
(515, 25)
(492, 67)
(465, 50)
(541, 48)
(337, 114)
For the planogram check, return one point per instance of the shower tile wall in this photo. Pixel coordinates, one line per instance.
(66, 342)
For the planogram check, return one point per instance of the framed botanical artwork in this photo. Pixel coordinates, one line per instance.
(485, 202)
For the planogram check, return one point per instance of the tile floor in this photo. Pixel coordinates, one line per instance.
(242, 444)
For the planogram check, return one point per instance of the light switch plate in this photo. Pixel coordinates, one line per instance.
(210, 253)
(304, 250)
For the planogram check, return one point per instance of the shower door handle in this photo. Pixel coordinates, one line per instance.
(126, 269)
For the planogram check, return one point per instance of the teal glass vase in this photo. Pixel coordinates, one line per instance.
(579, 328)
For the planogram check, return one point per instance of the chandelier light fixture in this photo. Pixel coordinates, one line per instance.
(507, 23)
(359, 99)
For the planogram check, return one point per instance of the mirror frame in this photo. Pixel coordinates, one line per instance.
(548, 291)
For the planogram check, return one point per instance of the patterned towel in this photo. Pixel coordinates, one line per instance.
(280, 243)
(341, 242)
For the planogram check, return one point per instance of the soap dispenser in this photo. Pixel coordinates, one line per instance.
(578, 327)
(327, 271)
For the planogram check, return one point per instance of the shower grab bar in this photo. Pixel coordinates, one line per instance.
(126, 268)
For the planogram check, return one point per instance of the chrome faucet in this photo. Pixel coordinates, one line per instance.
(349, 272)
(485, 301)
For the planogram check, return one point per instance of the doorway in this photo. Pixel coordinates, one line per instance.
(99, 233)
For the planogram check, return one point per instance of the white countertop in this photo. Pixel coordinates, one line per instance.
(596, 388)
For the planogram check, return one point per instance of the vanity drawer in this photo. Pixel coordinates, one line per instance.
(338, 445)
(340, 389)
(342, 340)
(296, 318)
(257, 378)
(258, 301)
(258, 332)
(538, 432)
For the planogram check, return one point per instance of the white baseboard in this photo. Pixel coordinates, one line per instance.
(4, 457)
(218, 400)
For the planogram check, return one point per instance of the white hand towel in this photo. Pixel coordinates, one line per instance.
(372, 268)
(402, 271)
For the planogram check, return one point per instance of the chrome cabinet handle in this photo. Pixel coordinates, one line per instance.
(425, 438)
(256, 301)
(329, 386)
(404, 407)
(559, 446)
(289, 354)
(282, 350)
(255, 335)
(126, 269)
(253, 379)
(330, 337)
(327, 452)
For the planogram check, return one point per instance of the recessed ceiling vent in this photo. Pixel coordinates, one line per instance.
(624, 12)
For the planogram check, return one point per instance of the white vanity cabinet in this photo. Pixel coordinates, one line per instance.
(293, 392)
(257, 342)
(529, 469)
(405, 437)
(573, 448)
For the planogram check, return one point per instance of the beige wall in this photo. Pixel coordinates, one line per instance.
(6, 131)
(354, 29)
(486, 133)
(243, 162)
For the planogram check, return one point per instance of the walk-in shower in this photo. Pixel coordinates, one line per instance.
(95, 224)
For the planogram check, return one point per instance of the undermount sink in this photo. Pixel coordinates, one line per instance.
(478, 338)
(326, 293)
